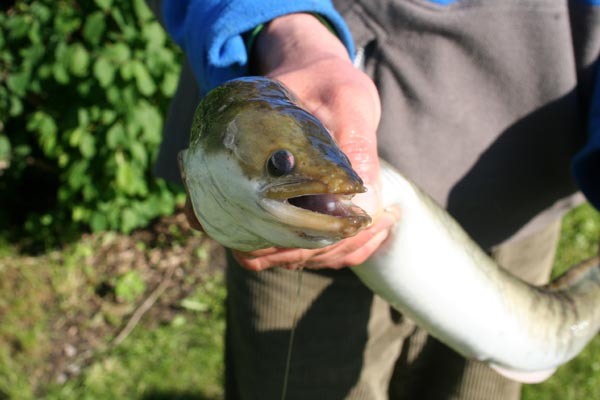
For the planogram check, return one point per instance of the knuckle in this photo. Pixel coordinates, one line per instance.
(252, 264)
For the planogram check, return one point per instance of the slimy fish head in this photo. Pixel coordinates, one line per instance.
(261, 171)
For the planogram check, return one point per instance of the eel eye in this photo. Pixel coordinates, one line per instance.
(281, 163)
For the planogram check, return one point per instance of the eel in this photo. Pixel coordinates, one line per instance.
(262, 171)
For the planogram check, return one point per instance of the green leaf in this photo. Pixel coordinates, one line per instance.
(45, 125)
(141, 9)
(84, 88)
(34, 34)
(126, 71)
(87, 145)
(139, 153)
(45, 71)
(32, 55)
(127, 27)
(169, 84)
(130, 285)
(59, 68)
(46, 219)
(193, 304)
(18, 26)
(104, 4)
(41, 122)
(119, 52)
(112, 212)
(108, 116)
(116, 136)
(63, 160)
(113, 95)
(22, 150)
(18, 82)
(90, 193)
(154, 34)
(79, 60)
(143, 80)
(94, 27)
(48, 142)
(125, 178)
(104, 71)
(41, 11)
(4, 152)
(75, 136)
(61, 52)
(95, 113)
(98, 221)
(149, 119)
(129, 178)
(60, 73)
(83, 116)
(130, 96)
(78, 174)
(66, 21)
(130, 220)
(16, 106)
(78, 213)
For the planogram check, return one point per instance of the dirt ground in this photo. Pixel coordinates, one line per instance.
(85, 313)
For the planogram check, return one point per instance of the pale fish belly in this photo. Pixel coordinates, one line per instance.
(431, 270)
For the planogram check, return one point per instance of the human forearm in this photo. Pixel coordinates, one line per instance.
(211, 31)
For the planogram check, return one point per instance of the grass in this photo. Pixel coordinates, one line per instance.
(179, 360)
(61, 310)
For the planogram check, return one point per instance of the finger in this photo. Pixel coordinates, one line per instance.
(362, 254)
(383, 223)
(258, 253)
(282, 257)
(348, 252)
(358, 249)
(188, 210)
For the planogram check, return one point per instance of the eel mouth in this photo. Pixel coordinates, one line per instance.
(321, 213)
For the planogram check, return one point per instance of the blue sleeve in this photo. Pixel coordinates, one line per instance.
(210, 31)
(586, 164)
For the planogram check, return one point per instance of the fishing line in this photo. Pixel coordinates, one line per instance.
(288, 359)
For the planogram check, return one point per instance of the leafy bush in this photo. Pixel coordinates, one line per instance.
(83, 86)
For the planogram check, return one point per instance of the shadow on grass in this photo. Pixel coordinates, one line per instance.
(177, 395)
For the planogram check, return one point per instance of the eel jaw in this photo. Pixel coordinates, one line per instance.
(319, 215)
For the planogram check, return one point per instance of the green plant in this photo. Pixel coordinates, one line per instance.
(130, 286)
(83, 88)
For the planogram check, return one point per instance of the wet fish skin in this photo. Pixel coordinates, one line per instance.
(429, 269)
(432, 271)
(237, 127)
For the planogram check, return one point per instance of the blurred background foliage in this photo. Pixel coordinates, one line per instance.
(83, 88)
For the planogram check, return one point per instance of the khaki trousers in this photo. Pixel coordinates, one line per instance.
(349, 344)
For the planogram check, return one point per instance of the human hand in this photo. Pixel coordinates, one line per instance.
(301, 53)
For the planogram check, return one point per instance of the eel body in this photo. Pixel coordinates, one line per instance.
(261, 171)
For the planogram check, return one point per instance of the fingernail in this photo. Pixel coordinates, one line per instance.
(367, 201)
(394, 211)
(381, 236)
